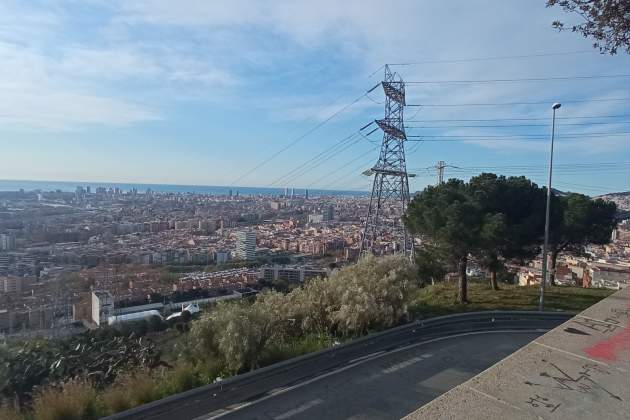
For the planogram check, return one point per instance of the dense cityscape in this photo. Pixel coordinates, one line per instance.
(120, 243)
(135, 249)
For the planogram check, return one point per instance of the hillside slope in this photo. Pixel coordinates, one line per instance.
(622, 199)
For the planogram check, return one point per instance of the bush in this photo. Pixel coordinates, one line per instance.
(7, 413)
(140, 387)
(182, 378)
(75, 400)
(130, 390)
(209, 370)
(293, 347)
(116, 399)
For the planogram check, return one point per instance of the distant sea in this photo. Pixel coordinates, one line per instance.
(68, 186)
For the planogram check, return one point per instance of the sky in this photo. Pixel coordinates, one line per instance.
(215, 92)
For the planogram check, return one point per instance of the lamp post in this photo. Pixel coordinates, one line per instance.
(543, 280)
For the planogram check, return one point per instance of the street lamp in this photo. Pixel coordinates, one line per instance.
(543, 280)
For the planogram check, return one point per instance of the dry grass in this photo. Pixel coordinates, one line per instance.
(128, 391)
(116, 399)
(74, 401)
(8, 413)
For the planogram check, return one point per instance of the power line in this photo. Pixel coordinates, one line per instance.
(521, 119)
(322, 160)
(525, 79)
(516, 125)
(542, 170)
(513, 139)
(534, 172)
(298, 139)
(314, 158)
(538, 170)
(541, 165)
(521, 103)
(522, 136)
(354, 171)
(344, 165)
(491, 58)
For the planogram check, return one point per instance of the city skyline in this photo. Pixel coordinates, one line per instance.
(199, 94)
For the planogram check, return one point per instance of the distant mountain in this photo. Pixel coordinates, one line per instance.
(622, 199)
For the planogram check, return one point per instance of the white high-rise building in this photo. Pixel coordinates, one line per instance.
(7, 241)
(246, 245)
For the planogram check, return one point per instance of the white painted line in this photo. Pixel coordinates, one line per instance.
(299, 409)
(406, 363)
(220, 413)
(358, 359)
(402, 365)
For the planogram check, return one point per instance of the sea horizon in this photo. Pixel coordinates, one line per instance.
(11, 185)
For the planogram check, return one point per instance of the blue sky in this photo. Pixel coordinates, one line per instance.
(200, 92)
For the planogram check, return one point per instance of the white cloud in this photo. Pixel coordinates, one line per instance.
(33, 98)
(53, 109)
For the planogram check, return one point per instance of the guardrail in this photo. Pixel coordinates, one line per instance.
(257, 383)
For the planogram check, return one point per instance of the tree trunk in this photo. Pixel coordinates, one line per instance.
(463, 280)
(552, 272)
(493, 279)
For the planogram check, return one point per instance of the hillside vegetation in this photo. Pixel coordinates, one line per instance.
(235, 337)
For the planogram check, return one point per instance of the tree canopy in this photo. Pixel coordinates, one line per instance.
(605, 21)
(447, 217)
(496, 218)
(513, 209)
(578, 220)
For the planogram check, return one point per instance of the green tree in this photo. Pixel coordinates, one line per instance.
(577, 220)
(513, 210)
(446, 216)
(432, 263)
(606, 21)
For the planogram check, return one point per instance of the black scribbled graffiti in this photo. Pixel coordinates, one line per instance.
(539, 401)
(595, 325)
(582, 382)
(571, 330)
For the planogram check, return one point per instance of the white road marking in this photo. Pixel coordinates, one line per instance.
(299, 409)
(222, 412)
(406, 363)
(358, 359)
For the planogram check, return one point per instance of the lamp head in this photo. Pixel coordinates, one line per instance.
(556, 105)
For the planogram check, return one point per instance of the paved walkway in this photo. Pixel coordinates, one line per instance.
(579, 370)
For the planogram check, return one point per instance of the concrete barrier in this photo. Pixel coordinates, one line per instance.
(579, 370)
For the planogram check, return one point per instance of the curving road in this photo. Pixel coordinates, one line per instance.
(383, 375)
(387, 385)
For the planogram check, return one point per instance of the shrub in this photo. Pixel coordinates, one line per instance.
(293, 347)
(75, 400)
(182, 378)
(7, 413)
(116, 399)
(209, 370)
(140, 387)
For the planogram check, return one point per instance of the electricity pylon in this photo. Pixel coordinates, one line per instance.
(440, 170)
(390, 190)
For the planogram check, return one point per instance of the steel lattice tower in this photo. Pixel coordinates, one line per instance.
(390, 190)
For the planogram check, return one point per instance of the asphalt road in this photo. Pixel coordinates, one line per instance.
(386, 385)
(455, 345)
